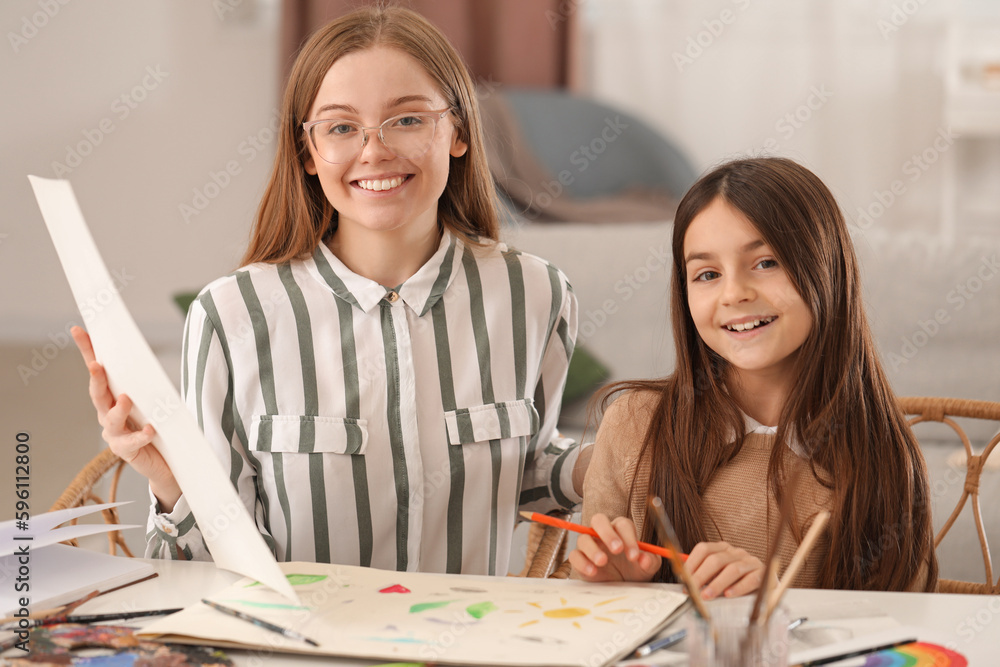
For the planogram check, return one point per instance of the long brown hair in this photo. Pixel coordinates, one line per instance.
(841, 408)
(294, 215)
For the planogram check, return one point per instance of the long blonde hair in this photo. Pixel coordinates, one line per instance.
(294, 214)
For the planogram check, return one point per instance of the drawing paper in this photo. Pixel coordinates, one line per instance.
(418, 617)
(132, 368)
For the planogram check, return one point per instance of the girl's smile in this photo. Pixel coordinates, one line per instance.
(742, 301)
(749, 325)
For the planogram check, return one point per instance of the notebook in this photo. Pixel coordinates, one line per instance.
(37, 570)
(59, 573)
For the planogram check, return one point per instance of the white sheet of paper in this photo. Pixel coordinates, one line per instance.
(38, 531)
(132, 368)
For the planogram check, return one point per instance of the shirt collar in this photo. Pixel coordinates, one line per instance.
(754, 426)
(420, 292)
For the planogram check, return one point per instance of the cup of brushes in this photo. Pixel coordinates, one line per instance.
(742, 632)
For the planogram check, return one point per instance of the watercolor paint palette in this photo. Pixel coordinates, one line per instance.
(109, 646)
(452, 619)
(918, 654)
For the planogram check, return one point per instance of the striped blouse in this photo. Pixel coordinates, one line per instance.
(399, 429)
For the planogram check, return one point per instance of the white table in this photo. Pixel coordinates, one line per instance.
(969, 624)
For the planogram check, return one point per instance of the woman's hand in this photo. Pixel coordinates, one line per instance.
(719, 568)
(130, 443)
(613, 557)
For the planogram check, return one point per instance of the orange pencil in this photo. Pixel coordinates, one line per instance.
(577, 528)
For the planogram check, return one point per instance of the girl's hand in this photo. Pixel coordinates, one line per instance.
(719, 568)
(615, 556)
(130, 443)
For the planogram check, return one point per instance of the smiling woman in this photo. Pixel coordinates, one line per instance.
(382, 376)
(385, 192)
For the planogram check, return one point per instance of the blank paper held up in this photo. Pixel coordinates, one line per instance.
(231, 535)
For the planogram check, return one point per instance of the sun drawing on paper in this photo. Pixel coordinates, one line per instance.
(567, 612)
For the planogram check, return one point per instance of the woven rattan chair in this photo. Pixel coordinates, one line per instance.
(943, 410)
(546, 553)
(81, 490)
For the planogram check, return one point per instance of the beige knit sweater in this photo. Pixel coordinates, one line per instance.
(739, 508)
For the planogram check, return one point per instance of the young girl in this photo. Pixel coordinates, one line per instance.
(777, 378)
(382, 378)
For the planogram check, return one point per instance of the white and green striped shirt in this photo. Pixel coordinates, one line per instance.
(397, 429)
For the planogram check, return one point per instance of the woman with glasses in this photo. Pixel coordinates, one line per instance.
(382, 377)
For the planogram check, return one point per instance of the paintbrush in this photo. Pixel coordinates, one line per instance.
(260, 622)
(86, 618)
(670, 541)
(796, 563)
(772, 563)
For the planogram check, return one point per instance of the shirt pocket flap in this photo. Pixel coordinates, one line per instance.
(494, 421)
(305, 434)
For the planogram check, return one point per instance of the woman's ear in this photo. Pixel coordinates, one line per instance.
(310, 165)
(458, 147)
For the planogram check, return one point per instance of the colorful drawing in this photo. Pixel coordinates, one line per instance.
(424, 606)
(475, 610)
(371, 613)
(297, 579)
(395, 588)
(480, 609)
(567, 612)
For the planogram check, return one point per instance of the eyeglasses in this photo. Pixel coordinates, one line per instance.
(406, 136)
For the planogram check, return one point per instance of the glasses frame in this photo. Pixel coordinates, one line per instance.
(434, 114)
